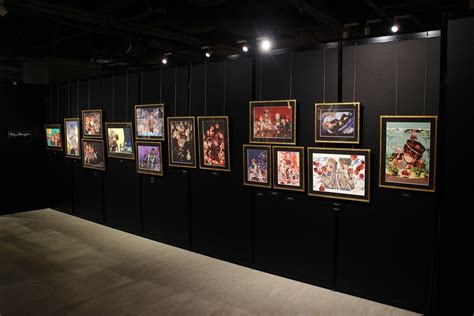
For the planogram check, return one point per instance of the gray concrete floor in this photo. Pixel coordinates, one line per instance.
(54, 264)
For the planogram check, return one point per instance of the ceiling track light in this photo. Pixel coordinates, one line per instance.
(164, 60)
(245, 47)
(208, 52)
(265, 44)
(396, 25)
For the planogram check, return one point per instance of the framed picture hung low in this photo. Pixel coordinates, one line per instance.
(54, 139)
(214, 144)
(149, 158)
(337, 122)
(181, 142)
(288, 168)
(339, 173)
(72, 135)
(120, 140)
(92, 123)
(93, 155)
(150, 121)
(273, 122)
(257, 165)
(408, 152)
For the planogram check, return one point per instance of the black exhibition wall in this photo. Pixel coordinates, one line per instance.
(385, 250)
(22, 162)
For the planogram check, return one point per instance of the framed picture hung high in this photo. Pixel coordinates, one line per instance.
(73, 135)
(288, 168)
(93, 155)
(257, 165)
(273, 122)
(54, 140)
(337, 122)
(408, 152)
(149, 158)
(214, 143)
(92, 123)
(339, 173)
(150, 121)
(181, 142)
(120, 140)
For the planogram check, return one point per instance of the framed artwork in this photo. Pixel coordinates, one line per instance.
(54, 140)
(73, 135)
(181, 142)
(337, 122)
(92, 123)
(257, 165)
(288, 168)
(93, 155)
(339, 173)
(408, 152)
(214, 143)
(120, 140)
(149, 158)
(273, 122)
(150, 122)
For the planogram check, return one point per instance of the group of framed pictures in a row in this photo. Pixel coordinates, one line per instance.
(407, 151)
(149, 131)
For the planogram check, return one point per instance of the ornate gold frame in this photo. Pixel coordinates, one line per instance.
(226, 118)
(368, 173)
(356, 104)
(302, 164)
(435, 153)
(119, 156)
(273, 142)
(151, 138)
(152, 143)
(61, 134)
(170, 163)
(84, 165)
(79, 142)
(101, 123)
(270, 165)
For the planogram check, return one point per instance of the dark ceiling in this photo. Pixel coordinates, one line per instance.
(139, 32)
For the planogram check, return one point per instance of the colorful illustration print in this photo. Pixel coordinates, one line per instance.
(182, 149)
(257, 165)
(150, 121)
(93, 153)
(92, 123)
(288, 168)
(149, 158)
(338, 173)
(337, 123)
(214, 142)
(53, 137)
(273, 122)
(120, 140)
(72, 137)
(407, 153)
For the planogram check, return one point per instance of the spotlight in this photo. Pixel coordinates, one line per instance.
(395, 28)
(164, 61)
(266, 45)
(208, 54)
(245, 48)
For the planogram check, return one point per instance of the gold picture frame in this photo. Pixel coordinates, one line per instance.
(124, 126)
(225, 120)
(171, 161)
(141, 170)
(302, 176)
(358, 170)
(245, 161)
(138, 124)
(100, 125)
(66, 138)
(353, 123)
(265, 105)
(409, 174)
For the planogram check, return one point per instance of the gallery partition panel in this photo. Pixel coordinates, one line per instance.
(376, 240)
